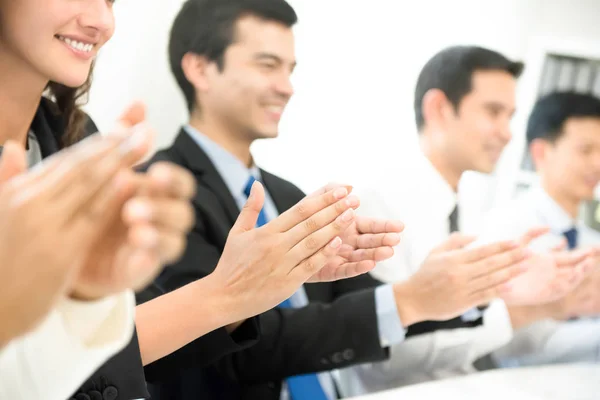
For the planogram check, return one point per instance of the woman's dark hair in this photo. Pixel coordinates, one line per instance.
(69, 101)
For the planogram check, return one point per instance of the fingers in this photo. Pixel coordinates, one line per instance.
(168, 245)
(104, 208)
(310, 244)
(570, 259)
(248, 217)
(343, 271)
(171, 180)
(309, 206)
(143, 266)
(85, 182)
(13, 161)
(371, 241)
(167, 214)
(456, 241)
(313, 264)
(329, 187)
(332, 221)
(497, 262)
(367, 225)
(376, 255)
(488, 287)
(133, 115)
(532, 234)
(483, 252)
(562, 246)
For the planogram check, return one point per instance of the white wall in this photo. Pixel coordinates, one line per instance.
(358, 62)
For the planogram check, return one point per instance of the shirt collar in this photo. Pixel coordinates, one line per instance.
(435, 188)
(232, 170)
(551, 212)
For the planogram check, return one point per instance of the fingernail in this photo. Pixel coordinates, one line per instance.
(139, 210)
(340, 193)
(336, 243)
(352, 201)
(348, 215)
(527, 252)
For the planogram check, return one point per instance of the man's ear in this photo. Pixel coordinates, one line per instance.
(436, 107)
(195, 68)
(538, 150)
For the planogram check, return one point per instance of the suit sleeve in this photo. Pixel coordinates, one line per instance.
(315, 338)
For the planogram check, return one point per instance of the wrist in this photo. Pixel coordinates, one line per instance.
(211, 290)
(522, 316)
(407, 310)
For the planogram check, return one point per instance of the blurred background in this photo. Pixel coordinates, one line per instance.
(357, 67)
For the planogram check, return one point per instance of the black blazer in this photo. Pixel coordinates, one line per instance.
(122, 377)
(337, 329)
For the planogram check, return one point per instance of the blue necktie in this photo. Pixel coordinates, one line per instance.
(571, 236)
(301, 387)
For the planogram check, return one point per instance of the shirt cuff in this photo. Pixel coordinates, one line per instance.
(391, 330)
(106, 322)
(472, 315)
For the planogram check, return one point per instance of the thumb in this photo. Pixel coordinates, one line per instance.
(247, 219)
(532, 234)
(133, 115)
(13, 161)
(456, 241)
(562, 246)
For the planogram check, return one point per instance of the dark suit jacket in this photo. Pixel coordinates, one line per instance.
(122, 377)
(337, 329)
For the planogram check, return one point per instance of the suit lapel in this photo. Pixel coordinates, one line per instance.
(48, 128)
(207, 176)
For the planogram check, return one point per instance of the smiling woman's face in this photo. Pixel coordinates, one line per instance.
(56, 39)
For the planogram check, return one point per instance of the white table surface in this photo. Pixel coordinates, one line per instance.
(559, 382)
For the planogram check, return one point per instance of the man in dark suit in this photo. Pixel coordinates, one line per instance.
(233, 60)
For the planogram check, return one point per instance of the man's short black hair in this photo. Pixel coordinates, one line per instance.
(451, 71)
(552, 111)
(207, 28)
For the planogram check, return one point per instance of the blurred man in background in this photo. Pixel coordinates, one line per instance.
(563, 136)
(464, 102)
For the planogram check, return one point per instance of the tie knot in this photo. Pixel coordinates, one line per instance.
(453, 220)
(249, 184)
(571, 236)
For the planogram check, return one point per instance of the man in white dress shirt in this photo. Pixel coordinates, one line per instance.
(464, 101)
(563, 135)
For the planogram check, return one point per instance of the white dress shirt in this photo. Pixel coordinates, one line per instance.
(60, 354)
(419, 196)
(546, 341)
(235, 175)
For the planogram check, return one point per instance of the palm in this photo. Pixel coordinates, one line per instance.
(106, 265)
(549, 277)
(364, 243)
